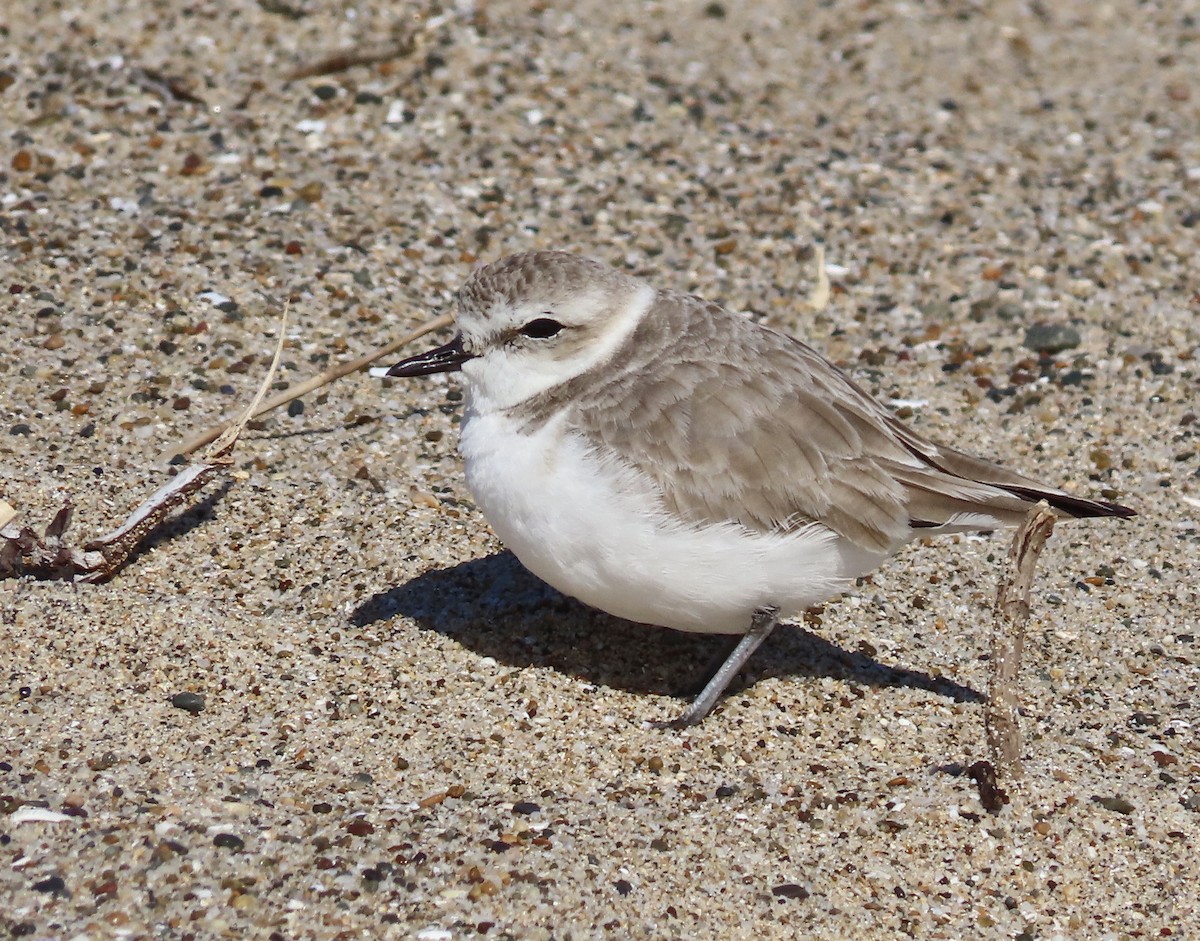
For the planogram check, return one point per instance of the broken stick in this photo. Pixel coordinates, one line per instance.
(295, 392)
(1001, 715)
(49, 556)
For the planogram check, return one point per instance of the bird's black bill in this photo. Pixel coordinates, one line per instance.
(448, 358)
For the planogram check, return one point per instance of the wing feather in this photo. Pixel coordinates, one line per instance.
(734, 422)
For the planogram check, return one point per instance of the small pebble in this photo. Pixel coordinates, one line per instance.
(311, 192)
(1050, 338)
(53, 884)
(105, 887)
(189, 702)
(102, 762)
(1116, 804)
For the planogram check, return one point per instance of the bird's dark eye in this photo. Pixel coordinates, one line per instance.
(541, 329)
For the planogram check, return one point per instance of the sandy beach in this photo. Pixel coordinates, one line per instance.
(397, 732)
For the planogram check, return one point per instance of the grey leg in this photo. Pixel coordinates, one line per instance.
(761, 625)
(711, 666)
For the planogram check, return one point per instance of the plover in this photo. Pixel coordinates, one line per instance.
(663, 459)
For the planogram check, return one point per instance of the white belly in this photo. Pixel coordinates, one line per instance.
(594, 530)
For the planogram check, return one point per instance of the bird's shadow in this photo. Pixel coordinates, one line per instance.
(496, 608)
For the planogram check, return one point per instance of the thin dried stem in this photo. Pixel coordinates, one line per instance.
(405, 40)
(1001, 715)
(350, 58)
(330, 375)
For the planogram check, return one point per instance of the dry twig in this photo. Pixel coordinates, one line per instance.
(167, 87)
(349, 58)
(295, 392)
(49, 556)
(1001, 714)
(402, 44)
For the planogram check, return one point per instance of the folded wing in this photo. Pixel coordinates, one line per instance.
(778, 438)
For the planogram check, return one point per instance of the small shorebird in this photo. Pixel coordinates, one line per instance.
(667, 461)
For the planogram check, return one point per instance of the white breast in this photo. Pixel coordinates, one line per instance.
(594, 529)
